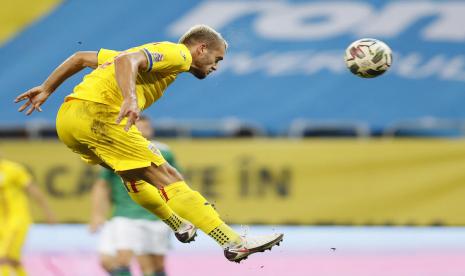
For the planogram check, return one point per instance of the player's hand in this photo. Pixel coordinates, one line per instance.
(35, 98)
(130, 110)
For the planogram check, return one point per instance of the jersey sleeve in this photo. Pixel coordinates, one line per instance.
(167, 57)
(105, 55)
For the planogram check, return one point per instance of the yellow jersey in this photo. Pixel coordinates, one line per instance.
(14, 179)
(165, 60)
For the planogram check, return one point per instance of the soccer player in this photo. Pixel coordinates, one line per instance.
(97, 122)
(132, 230)
(15, 186)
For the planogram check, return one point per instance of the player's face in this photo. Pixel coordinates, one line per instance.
(145, 127)
(206, 60)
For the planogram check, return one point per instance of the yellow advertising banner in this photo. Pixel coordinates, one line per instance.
(280, 181)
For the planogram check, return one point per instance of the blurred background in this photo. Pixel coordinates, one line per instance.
(364, 176)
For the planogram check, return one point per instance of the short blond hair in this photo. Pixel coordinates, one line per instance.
(202, 33)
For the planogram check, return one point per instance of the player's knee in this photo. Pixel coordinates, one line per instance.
(131, 175)
(158, 176)
(162, 175)
(123, 258)
(173, 172)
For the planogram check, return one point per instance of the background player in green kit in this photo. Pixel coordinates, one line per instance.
(132, 230)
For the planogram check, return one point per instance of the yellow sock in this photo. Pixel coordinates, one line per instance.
(192, 206)
(224, 235)
(147, 196)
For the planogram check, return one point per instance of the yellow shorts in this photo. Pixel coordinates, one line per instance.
(12, 237)
(89, 129)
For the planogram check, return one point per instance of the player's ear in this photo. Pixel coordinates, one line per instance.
(202, 48)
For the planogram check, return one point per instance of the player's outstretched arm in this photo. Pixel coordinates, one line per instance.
(127, 66)
(38, 95)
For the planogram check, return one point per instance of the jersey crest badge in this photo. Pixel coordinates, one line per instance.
(156, 57)
(183, 55)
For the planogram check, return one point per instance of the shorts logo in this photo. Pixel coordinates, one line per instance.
(154, 149)
(156, 57)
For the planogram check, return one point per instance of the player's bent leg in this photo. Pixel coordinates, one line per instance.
(189, 204)
(192, 206)
(148, 197)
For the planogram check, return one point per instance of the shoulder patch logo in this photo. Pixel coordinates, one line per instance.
(154, 149)
(156, 57)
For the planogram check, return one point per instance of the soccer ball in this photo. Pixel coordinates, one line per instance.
(368, 57)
